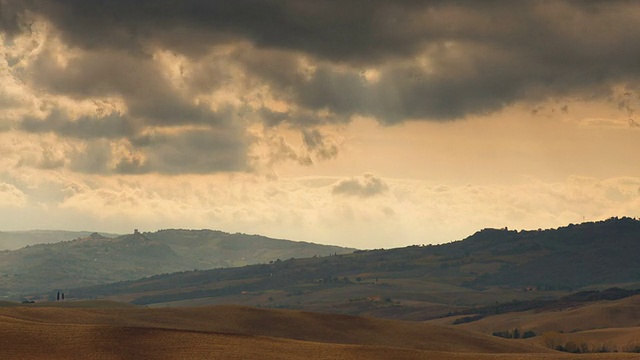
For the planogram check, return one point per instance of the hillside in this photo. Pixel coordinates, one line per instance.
(187, 331)
(284, 324)
(110, 331)
(612, 324)
(96, 259)
(588, 316)
(569, 257)
(416, 282)
(13, 240)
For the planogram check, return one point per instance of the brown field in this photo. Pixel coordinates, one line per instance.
(612, 324)
(103, 330)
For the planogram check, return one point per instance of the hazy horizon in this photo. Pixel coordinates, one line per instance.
(377, 126)
(132, 231)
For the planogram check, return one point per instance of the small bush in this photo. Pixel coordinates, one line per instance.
(503, 334)
(467, 319)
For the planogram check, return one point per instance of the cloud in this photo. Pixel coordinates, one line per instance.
(332, 29)
(462, 63)
(129, 115)
(280, 150)
(141, 83)
(197, 151)
(9, 16)
(408, 212)
(318, 144)
(222, 67)
(183, 152)
(471, 57)
(93, 158)
(10, 196)
(109, 126)
(368, 187)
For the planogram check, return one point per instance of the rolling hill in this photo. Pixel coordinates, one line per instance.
(13, 240)
(611, 325)
(97, 259)
(416, 282)
(233, 332)
(104, 330)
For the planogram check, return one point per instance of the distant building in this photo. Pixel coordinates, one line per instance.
(136, 232)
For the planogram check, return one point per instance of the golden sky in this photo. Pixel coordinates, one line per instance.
(359, 123)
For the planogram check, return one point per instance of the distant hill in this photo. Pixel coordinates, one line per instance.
(569, 257)
(96, 259)
(416, 282)
(13, 240)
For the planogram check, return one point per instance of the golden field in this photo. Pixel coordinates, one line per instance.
(614, 325)
(103, 330)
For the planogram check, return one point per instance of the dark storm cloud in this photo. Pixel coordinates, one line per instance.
(462, 79)
(481, 55)
(151, 101)
(185, 152)
(327, 59)
(197, 151)
(341, 30)
(139, 82)
(85, 127)
(368, 187)
(10, 12)
(479, 58)
(333, 29)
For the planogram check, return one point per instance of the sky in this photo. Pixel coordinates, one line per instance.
(369, 124)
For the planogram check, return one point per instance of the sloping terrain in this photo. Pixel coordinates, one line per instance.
(14, 240)
(416, 282)
(103, 330)
(570, 257)
(228, 332)
(573, 300)
(595, 315)
(614, 324)
(97, 259)
(108, 331)
(286, 324)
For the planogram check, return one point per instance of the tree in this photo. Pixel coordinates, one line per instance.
(552, 340)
